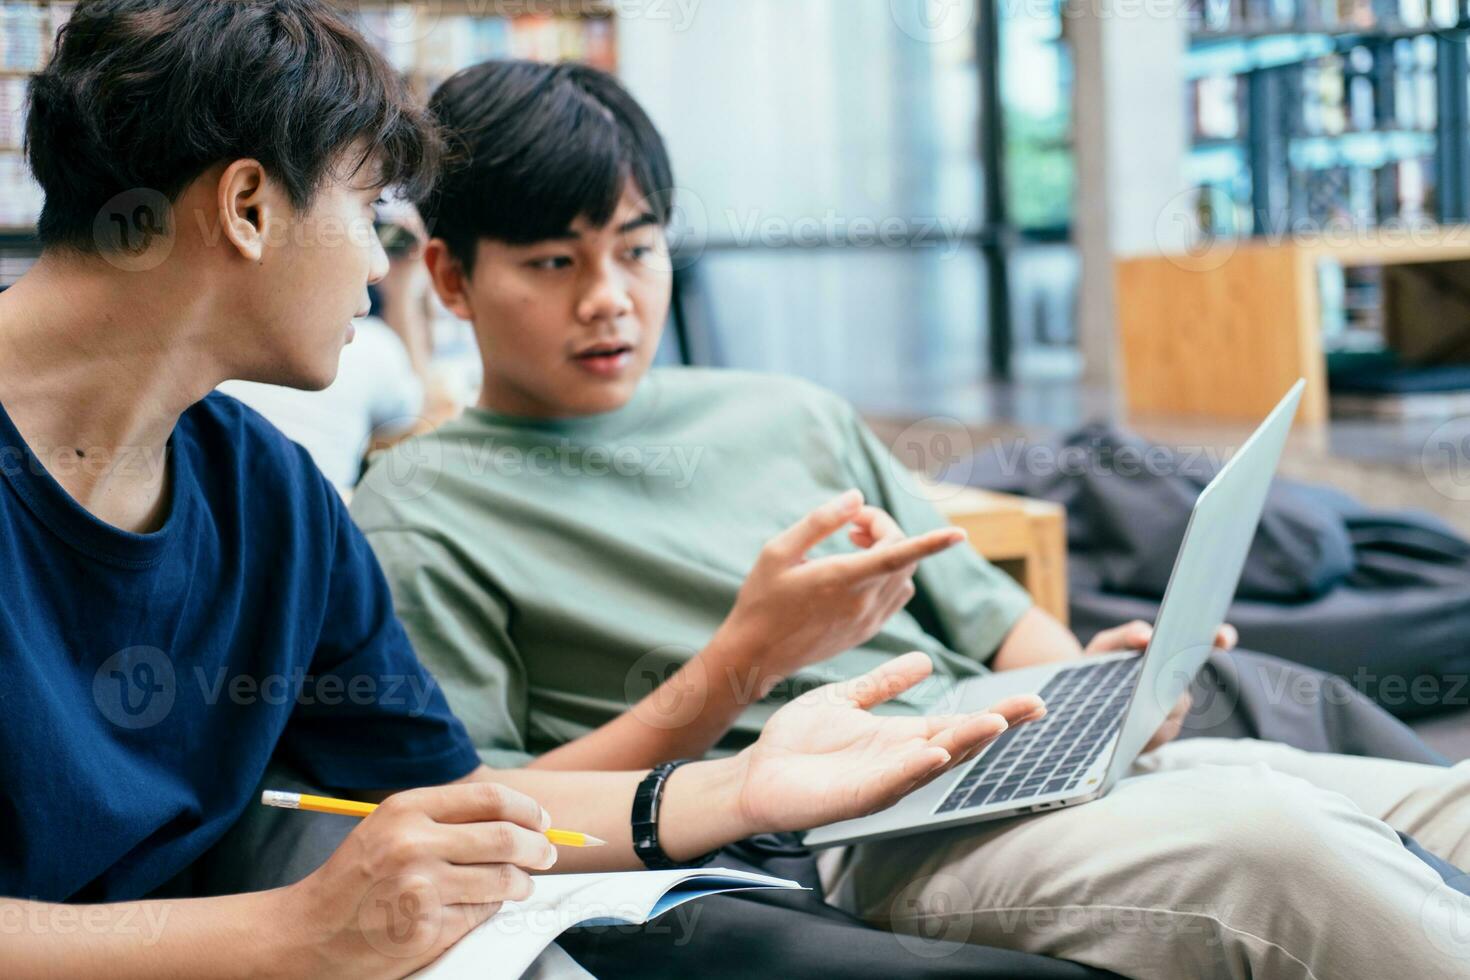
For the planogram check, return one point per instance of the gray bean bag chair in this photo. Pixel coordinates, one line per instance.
(1379, 598)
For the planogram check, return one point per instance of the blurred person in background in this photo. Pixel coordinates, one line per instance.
(385, 388)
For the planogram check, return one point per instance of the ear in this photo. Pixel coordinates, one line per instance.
(450, 281)
(245, 208)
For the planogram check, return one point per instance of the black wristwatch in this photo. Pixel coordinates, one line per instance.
(646, 805)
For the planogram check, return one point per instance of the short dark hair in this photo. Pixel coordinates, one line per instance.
(151, 93)
(533, 147)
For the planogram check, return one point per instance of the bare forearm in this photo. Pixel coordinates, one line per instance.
(233, 936)
(700, 810)
(1036, 639)
(408, 316)
(683, 718)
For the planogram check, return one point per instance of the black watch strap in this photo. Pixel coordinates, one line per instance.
(647, 803)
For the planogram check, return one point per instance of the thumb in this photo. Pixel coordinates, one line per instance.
(1130, 636)
(792, 544)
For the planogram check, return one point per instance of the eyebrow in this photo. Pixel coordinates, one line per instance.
(642, 221)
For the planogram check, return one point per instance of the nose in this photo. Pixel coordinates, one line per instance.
(377, 262)
(606, 295)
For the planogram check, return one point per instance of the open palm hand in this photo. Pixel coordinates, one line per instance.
(825, 758)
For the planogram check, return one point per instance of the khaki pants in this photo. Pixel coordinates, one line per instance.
(1214, 858)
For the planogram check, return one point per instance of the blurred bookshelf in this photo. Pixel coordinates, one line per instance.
(26, 33)
(1328, 112)
(425, 40)
(429, 40)
(1342, 121)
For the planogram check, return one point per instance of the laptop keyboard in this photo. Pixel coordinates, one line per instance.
(1083, 706)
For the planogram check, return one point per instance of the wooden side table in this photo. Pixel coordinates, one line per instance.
(1025, 538)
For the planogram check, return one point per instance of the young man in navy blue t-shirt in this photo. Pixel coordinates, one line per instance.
(185, 596)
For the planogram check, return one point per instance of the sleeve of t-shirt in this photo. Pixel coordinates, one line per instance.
(459, 624)
(369, 716)
(960, 597)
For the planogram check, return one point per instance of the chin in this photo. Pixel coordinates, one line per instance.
(307, 377)
(610, 398)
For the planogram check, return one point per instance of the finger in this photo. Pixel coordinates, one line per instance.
(893, 557)
(884, 682)
(1020, 709)
(1130, 636)
(970, 754)
(877, 525)
(1173, 725)
(919, 773)
(966, 754)
(474, 802)
(895, 595)
(969, 734)
(1167, 732)
(903, 775)
(462, 919)
(792, 544)
(482, 884)
(863, 538)
(1227, 638)
(495, 843)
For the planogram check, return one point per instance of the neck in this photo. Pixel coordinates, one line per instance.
(502, 398)
(96, 366)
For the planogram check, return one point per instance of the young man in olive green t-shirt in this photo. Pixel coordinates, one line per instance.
(591, 525)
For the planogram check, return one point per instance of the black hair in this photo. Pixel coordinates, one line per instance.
(151, 93)
(533, 147)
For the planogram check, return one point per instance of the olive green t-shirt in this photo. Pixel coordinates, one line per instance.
(551, 572)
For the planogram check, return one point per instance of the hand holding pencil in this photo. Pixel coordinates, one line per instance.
(418, 873)
(352, 808)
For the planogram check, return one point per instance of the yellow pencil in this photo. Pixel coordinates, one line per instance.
(351, 808)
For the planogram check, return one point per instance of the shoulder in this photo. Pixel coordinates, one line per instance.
(221, 416)
(405, 485)
(239, 449)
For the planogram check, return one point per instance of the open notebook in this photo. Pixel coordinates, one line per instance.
(504, 947)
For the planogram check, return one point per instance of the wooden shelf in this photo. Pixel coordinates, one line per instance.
(1223, 334)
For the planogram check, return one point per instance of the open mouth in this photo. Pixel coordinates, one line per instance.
(605, 358)
(610, 350)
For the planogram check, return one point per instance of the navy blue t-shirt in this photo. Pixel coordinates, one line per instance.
(146, 679)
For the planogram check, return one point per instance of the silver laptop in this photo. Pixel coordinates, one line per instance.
(1101, 711)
